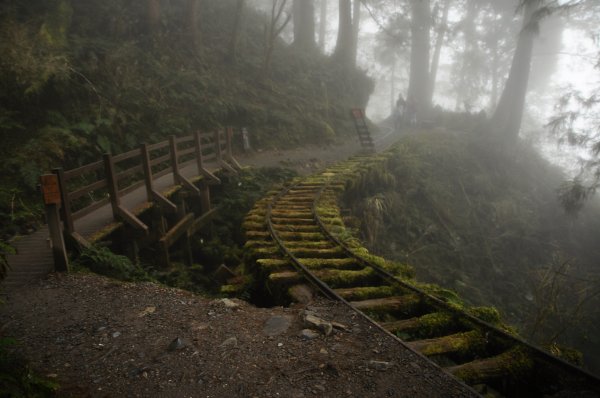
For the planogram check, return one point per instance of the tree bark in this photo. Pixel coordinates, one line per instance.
(323, 25)
(153, 15)
(439, 42)
(418, 85)
(304, 24)
(235, 34)
(509, 112)
(355, 29)
(193, 31)
(343, 48)
(463, 90)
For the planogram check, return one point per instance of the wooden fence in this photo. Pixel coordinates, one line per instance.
(108, 180)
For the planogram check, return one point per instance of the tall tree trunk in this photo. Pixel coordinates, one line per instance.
(235, 34)
(343, 48)
(439, 42)
(418, 85)
(272, 31)
(495, 66)
(355, 29)
(468, 23)
(153, 15)
(509, 113)
(304, 24)
(393, 87)
(193, 31)
(323, 25)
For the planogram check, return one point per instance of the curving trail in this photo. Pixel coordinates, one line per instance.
(297, 235)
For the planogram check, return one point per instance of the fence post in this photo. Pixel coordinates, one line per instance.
(218, 146)
(147, 171)
(52, 198)
(199, 157)
(111, 182)
(66, 203)
(174, 156)
(228, 139)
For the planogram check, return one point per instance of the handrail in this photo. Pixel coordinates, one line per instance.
(102, 175)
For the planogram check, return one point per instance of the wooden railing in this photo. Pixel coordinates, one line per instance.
(108, 180)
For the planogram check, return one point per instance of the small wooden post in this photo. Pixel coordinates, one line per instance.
(228, 139)
(147, 172)
(52, 198)
(199, 157)
(111, 182)
(204, 197)
(174, 159)
(218, 146)
(65, 202)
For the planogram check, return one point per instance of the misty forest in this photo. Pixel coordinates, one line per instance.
(296, 198)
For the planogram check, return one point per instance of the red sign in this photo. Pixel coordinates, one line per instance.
(50, 189)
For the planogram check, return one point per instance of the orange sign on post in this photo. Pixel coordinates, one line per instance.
(50, 189)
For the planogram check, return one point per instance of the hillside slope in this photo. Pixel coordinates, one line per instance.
(82, 78)
(487, 224)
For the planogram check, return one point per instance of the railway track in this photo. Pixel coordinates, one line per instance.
(297, 235)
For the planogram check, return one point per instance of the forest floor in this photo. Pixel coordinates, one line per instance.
(99, 337)
(104, 338)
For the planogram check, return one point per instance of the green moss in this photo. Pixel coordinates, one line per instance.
(435, 324)
(368, 292)
(345, 278)
(471, 343)
(319, 263)
(487, 314)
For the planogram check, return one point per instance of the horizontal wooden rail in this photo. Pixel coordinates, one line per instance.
(70, 174)
(165, 157)
(127, 155)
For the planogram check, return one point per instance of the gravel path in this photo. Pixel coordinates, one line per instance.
(103, 338)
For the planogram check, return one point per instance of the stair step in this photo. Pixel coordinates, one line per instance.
(432, 324)
(515, 362)
(406, 303)
(297, 228)
(298, 236)
(366, 292)
(337, 263)
(461, 343)
(335, 252)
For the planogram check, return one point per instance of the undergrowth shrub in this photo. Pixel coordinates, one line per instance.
(102, 261)
(17, 379)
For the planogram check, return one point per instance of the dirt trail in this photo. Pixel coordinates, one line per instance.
(102, 338)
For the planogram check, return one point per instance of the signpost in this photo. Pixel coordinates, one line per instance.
(52, 200)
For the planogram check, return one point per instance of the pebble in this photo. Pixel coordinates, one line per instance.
(229, 343)
(176, 344)
(380, 365)
(277, 325)
(229, 303)
(308, 334)
(315, 322)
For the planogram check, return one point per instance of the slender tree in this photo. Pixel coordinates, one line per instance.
(192, 21)
(304, 24)
(345, 48)
(439, 42)
(153, 15)
(322, 25)
(273, 29)
(509, 112)
(355, 28)
(235, 34)
(418, 85)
